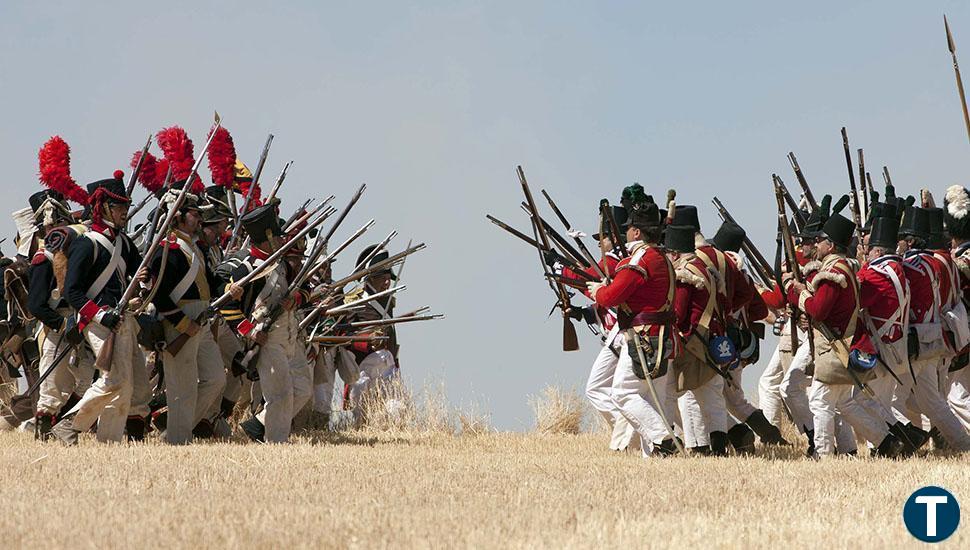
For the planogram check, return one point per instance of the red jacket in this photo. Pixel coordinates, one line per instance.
(608, 264)
(920, 272)
(880, 298)
(947, 274)
(643, 281)
(692, 297)
(834, 299)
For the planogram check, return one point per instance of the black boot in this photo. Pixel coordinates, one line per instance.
(135, 428)
(254, 429)
(203, 430)
(701, 450)
(768, 432)
(742, 439)
(719, 443)
(899, 430)
(890, 447)
(811, 443)
(917, 436)
(939, 442)
(42, 426)
(665, 448)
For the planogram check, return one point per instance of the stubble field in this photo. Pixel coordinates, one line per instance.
(367, 489)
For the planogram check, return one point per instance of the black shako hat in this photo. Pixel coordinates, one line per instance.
(817, 218)
(916, 223)
(685, 215)
(838, 229)
(729, 237)
(261, 223)
(679, 238)
(111, 189)
(379, 257)
(937, 236)
(885, 232)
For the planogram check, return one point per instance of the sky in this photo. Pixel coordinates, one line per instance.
(433, 104)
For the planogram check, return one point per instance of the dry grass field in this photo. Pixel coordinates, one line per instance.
(367, 489)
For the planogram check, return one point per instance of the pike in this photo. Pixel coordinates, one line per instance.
(856, 214)
(570, 341)
(249, 195)
(956, 71)
(137, 170)
(806, 190)
(574, 234)
(758, 261)
(176, 344)
(103, 361)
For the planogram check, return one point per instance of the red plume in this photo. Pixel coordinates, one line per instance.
(153, 171)
(245, 187)
(179, 151)
(55, 170)
(222, 158)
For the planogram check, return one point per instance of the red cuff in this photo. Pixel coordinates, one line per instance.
(363, 347)
(245, 327)
(87, 313)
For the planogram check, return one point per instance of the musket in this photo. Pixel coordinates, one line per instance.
(337, 340)
(606, 214)
(296, 219)
(571, 281)
(137, 170)
(156, 216)
(394, 321)
(956, 71)
(23, 411)
(279, 181)
(379, 266)
(856, 213)
(103, 361)
(319, 244)
(570, 231)
(885, 175)
(758, 261)
(796, 271)
(400, 268)
(570, 341)
(249, 195)
(870, 188)
(176, 344)
(560, 242)
(865, 188)
(797, 214)
(806, 190)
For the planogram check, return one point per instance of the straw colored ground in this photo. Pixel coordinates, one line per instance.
(412, 489)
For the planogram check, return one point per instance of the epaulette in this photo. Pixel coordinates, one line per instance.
(170, 243)
(39, 258)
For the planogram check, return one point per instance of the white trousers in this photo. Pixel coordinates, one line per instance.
(795, 383)
(958, 395)
(67, 378)
(734, 399)
(831, 401)
(329, 362)
(702, 411)
(769, 387)
(633, 399)
(109, 399)
(376, 368)
(276, 379)
(599, 385)
(927, 399)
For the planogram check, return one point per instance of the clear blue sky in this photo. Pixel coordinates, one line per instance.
(433, 104)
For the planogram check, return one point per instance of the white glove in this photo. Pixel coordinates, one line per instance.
(593, 288)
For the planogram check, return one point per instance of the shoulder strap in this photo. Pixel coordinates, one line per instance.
(195, 263)
(113, 263)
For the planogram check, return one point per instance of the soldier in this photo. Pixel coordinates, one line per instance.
(99, 266)
(956, 213)
(927, 347)
(831, 300)
(46, 302)
(251, 315)
(644, 285)
(600, 381)
(194, 372)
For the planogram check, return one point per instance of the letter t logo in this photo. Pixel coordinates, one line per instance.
(931, 502)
